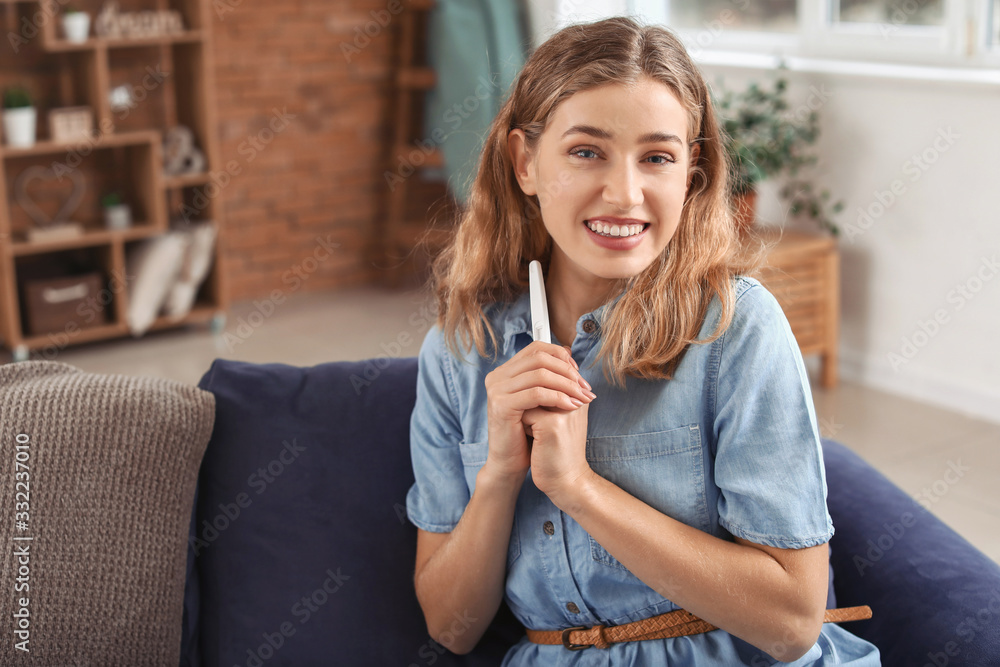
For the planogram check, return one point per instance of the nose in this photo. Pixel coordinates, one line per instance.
(623, 187)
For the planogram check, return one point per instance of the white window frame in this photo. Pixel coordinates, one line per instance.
(879, 41)
(989, 35)
(959, 50)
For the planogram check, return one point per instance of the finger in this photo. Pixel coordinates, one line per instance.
(537, 348)
(537, 396)
(543, 358)
(543, 377)
(552, 378)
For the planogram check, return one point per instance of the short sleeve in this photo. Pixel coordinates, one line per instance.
(439, 493)
(768, 458)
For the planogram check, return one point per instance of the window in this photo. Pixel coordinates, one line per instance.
(993, 27)
(907, 32)
(760, 16)
(895, 13)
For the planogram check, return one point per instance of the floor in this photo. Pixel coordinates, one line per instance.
(947, 461)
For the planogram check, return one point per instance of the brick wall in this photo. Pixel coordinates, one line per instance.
(319, 174)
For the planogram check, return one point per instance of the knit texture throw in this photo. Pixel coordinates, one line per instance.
(97, 483)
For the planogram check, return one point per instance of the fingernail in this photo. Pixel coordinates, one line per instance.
(592, 395)
(586, 385)
(576, 402)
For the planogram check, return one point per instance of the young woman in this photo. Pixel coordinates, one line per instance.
(682, 484)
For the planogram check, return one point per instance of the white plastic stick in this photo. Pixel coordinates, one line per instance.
(539, 306)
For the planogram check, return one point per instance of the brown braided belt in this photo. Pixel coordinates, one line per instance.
(677, 623)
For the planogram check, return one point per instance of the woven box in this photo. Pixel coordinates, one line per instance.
(52, 304)
(71, 124)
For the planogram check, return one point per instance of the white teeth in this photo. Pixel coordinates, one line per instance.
(614, 230)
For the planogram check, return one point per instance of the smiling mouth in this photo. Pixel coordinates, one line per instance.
(614, 231)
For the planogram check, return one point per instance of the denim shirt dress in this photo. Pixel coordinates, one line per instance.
(729, 445)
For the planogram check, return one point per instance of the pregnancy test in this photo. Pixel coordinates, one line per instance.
(539, 306)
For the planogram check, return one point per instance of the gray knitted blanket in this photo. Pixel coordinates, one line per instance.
(97, 482)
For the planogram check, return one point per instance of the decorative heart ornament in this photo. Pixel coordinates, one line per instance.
(69, 206)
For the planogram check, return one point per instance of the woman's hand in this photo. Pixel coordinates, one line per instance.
(541, 375)
(559, 452)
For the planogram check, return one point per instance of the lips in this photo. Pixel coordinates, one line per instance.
(618, 221)
(616, 227)
(610, 242)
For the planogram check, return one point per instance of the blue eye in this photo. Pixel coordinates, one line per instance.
(582, 150)
(590, 154)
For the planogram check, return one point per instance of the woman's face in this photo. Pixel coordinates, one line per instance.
(612, 158)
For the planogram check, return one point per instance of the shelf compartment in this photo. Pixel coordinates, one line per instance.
(95, 311)
(203, 308)
(193, 102)
(148, 72)
(201, 313)
(127, 164)
(54, 81)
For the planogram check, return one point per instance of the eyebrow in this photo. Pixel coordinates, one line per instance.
(648, 138)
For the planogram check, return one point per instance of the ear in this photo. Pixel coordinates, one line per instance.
(692, 162)
(522, 161)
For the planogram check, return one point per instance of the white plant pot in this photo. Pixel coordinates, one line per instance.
(117, 217)
(76, 26)
(19, 126)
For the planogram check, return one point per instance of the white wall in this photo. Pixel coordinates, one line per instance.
(906, 325)
(920, 279)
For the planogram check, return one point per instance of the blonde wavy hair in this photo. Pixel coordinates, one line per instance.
(499, 231)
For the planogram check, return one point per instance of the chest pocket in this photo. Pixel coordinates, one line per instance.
(473, 459)
(664, 469)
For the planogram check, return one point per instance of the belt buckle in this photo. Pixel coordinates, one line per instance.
(574, 647)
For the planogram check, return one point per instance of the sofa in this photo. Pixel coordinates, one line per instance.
(259, 520)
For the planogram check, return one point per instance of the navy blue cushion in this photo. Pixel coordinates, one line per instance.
(240, 534)
(303, 552)
(303, 486)
(935, 598)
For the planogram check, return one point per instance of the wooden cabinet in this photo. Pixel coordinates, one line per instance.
(396, 234)
(170, 78)
(803, 273)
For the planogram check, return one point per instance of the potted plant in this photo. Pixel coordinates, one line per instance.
(765, 140)
(805, 201)
(117, 214)
(76, 24)
(19, 117)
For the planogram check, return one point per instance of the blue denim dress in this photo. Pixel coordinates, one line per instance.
(729, 446)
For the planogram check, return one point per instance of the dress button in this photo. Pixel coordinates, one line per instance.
(589, 326)
(548, 528)
(572, 608)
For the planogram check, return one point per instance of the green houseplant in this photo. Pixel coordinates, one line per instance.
(117, 214)
(76, 24)
(19, 117)
(764, 139)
